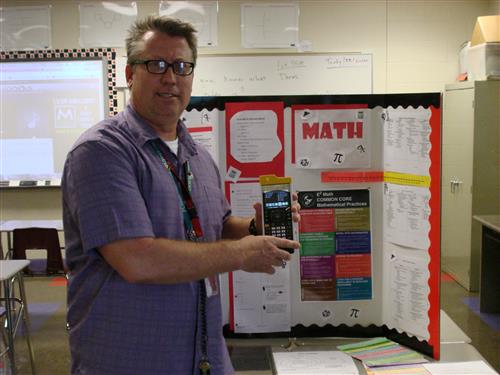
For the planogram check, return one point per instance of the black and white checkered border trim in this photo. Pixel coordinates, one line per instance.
(108, 53)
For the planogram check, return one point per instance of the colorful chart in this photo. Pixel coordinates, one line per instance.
(335, 237)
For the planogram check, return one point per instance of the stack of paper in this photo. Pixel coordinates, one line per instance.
(416, 369)
(460, 368)
(326, 362)
(382, 352)
(450, 368)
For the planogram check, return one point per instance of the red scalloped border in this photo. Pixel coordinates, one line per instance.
(435, 232)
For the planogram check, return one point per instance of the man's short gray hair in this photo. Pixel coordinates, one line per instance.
(169, 26)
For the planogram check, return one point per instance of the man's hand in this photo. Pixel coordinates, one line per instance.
(263, 253)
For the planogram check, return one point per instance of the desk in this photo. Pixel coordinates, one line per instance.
(10, 269)
(450, 352)
(249, 356)
(9, 225)
(489, 284)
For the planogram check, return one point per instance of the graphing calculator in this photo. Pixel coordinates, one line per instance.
(277, 207)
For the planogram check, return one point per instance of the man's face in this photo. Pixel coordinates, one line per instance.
(161, 98)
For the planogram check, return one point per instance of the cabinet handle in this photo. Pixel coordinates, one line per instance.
(455, 185)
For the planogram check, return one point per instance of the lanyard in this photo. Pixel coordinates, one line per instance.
(194, 233)
(191, 220)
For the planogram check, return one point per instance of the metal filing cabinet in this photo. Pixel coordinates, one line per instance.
(470, 174)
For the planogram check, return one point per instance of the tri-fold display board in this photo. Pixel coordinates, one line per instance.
(367, 172)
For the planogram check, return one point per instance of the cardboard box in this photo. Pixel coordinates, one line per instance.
(486, 30)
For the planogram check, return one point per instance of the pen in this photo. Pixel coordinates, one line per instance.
(188, 175)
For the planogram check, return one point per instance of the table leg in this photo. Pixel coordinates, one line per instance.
(26, 320)
(10, 325)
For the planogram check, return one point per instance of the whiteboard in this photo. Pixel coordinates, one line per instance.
(318, 74)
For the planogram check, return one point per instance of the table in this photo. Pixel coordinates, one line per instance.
(9, 225)
(489, 284)
(251, 356)
(9, 270)
(450, 352)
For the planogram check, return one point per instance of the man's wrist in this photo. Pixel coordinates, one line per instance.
(252, 227)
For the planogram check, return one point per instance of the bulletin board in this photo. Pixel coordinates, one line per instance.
(370, 240)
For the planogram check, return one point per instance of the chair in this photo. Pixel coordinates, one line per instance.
(39, 238)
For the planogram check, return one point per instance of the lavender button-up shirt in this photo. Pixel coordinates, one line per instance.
(114, 188)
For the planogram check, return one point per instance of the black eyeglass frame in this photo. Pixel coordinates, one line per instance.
(175, 65)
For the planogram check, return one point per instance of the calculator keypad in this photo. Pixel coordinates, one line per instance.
(283, 231)
(279, 228)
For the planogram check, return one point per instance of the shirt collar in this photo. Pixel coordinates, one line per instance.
(143, 132)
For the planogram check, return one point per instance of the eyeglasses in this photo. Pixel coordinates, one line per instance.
(181, 68)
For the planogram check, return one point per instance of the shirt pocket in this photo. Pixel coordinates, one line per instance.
(211, 212)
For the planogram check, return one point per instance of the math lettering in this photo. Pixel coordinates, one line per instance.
(329, 130)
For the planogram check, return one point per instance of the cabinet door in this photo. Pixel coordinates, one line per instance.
(457, 153)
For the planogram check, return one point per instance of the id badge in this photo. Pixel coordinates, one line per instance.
(212, 286)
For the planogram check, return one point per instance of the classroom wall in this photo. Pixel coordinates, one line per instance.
(494, 7)
(414, 43)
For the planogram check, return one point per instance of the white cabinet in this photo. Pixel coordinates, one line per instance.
(470, 174)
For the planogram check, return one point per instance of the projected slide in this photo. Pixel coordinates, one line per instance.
(46, 105)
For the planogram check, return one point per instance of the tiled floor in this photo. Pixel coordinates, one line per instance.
(483, 330)
(47, 298)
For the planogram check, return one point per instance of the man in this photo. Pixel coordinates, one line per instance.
(135, 248)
